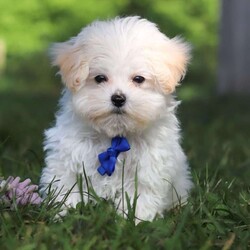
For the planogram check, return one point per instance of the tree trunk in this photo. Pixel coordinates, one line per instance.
(234, 48)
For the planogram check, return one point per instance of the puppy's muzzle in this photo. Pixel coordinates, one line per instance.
(118, 100)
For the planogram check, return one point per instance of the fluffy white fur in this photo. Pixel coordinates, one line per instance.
(120, 49)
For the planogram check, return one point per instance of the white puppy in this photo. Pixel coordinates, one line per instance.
(119, 76)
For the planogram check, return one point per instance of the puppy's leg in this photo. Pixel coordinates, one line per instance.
(157, 194)
(181, 187)
(60, 186)
(148, 202)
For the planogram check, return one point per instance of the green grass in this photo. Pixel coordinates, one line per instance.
(216, 138)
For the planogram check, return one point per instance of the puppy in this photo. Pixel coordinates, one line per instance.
(117, 117)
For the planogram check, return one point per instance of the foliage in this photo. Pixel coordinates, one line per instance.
(28, 27)
(215, 133)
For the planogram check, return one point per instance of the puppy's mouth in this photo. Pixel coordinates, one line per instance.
(118, 111)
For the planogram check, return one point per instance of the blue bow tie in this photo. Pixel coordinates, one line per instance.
(108, 159)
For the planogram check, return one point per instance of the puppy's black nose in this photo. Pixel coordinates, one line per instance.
(118, 100)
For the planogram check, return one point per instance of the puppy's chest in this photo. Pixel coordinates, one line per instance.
(85, 155)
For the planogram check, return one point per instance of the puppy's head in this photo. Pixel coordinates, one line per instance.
(120, 73)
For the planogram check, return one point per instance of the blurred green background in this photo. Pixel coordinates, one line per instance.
(28, 27)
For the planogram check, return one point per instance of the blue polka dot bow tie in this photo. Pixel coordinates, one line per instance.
(108, 158)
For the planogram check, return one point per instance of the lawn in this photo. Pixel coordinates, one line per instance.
(216, 138)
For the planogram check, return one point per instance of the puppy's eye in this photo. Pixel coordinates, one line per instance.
(138, 79)
(101, 78)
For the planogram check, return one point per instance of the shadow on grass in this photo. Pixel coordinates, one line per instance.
(23, 118)
(216, 135)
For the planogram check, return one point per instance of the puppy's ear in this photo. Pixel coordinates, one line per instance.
(70, 60)
(171, 64)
